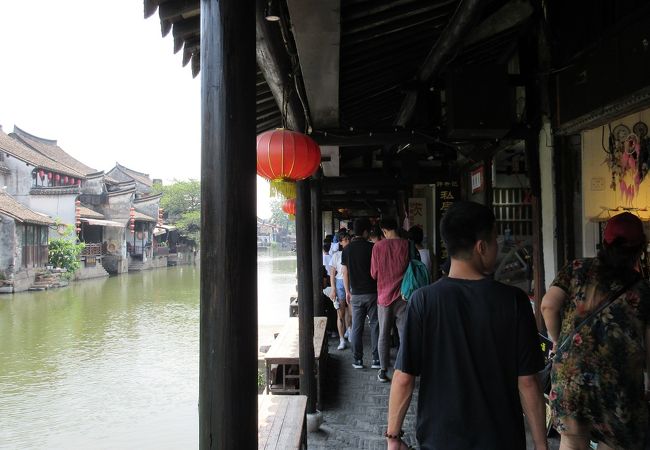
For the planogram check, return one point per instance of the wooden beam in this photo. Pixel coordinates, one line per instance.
(179, 8)
(378, 181)
(462, 21)
(345, 138)
(305, 292)
(508, 16)
(228, 321)
(275, 64)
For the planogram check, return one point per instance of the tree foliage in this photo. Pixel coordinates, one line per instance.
(181, 201)
(181, 197)
(64, 252)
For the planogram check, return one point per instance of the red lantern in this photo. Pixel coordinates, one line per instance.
(65, 179)
(72, 180)
(289, 206)
(57, 177)
(284, 157)
(78, 182)
(49, 175)
(41, 174)
(132, 220)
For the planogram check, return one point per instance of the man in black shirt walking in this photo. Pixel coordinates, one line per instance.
(473, 343)
(361, 292)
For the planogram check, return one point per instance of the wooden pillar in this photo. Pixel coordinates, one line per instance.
(305, 292)
(228, 340)
(317, 246)
(532, 156)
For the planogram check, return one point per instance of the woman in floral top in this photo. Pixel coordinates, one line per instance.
(597, 380)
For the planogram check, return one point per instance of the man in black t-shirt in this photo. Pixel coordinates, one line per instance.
(361, 292)
(473, 343)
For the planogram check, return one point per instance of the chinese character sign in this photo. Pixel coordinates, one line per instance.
(418, 213)
(447, 193)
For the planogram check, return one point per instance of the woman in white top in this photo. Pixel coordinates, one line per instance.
(417, 236)
(338, 290)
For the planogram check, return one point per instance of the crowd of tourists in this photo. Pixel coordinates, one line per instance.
(474, 342)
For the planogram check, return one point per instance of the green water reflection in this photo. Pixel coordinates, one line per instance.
(113, 363)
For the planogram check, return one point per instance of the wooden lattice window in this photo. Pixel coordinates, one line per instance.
(513, 211)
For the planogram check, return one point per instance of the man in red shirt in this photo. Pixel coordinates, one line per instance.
(390, 258)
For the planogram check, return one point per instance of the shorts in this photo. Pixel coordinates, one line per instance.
(340, 293)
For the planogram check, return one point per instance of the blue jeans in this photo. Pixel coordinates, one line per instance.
(364, 305)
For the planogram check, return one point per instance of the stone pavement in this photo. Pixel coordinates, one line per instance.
(355, 406)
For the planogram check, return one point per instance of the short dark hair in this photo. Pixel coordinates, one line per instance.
(343, 235)
(327, 246)
(388, 224)
(416, 234)
(361, 225)
(464, 224)
(375, 231)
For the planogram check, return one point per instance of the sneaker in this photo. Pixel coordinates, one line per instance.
(357, 364)
(381, 376)
(347, 333)
(342, 345)
(375, 364)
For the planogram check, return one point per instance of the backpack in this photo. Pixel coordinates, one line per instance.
(416, 275)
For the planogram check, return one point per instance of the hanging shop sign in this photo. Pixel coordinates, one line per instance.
(478, 179)
(447, 193)
(417, 213)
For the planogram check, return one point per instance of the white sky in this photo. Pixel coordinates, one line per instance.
(100, 79)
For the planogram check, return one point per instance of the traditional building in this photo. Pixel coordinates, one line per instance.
(37, 181)
(24, 235)
(143, 184)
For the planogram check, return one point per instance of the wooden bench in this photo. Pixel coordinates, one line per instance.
(284, 378)
(281, 422)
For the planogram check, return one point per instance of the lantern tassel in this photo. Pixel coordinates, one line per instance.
(282, 187)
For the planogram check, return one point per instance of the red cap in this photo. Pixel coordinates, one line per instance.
(625, 226)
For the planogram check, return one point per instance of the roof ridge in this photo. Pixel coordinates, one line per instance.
(130, 170)
(20, 131)
(64, 158)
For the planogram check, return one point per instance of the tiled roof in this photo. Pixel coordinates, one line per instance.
(10, 207)
(88, 213)
(110, 180)
(26, 154)
(50, 149)
(138, 176)
(143, 217)
(54, 190)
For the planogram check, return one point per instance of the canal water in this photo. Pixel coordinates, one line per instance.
(113, 363)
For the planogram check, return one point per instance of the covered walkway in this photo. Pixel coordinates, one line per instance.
(356, 405)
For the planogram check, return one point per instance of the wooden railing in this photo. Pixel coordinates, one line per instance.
(92, 249)
(161, 251)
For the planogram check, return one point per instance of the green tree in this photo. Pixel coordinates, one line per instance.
(64, 252)
(181, 201)
(181, 197)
